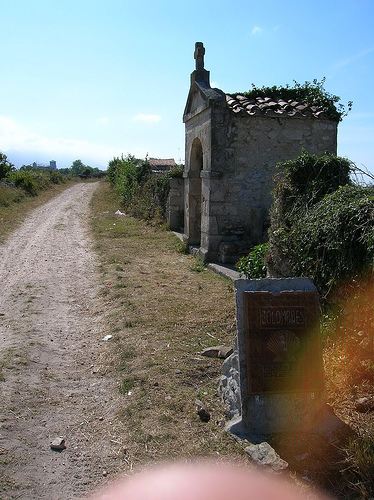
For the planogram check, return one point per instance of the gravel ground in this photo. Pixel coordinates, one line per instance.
(52, 383)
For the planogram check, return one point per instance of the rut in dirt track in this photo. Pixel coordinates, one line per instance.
(50, 342)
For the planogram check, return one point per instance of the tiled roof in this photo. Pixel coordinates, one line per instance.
(159, 162)
(266, 106)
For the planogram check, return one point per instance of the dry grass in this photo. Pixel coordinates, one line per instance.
(162, 310)
(161, 314)
(349, 368)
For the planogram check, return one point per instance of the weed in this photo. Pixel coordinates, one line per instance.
(198, 266)
(181, 247)
(126, 354)
(360, 464)
(158, 318)
(253, 265)
(120, 285)
(126, 385)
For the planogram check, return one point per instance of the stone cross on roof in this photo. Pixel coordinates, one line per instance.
(199, 55)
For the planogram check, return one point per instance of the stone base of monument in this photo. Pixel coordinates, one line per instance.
(266, 415)
(326, 426)
(308, 454)
(274, 381)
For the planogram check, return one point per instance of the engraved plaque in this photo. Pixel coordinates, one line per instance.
(283, 350)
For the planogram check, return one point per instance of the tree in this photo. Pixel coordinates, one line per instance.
(27, 167)
(77, 167)
(5, 166)
(87, 171)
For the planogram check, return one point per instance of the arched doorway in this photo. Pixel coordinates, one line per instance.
(194, 197)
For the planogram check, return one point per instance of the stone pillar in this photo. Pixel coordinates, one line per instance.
(280, 356)
(175, 204)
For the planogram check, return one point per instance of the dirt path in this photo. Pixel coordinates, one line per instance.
(50, 345)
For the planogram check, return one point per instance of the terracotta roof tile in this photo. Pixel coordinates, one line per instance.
(268, 106)
(163, 162)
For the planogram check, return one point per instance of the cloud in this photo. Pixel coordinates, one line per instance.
(18, 139)
(102, 121)
(256, 30)
(147, 118)
(349, 60)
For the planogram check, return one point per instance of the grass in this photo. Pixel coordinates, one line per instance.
(349, 369)
(172, 307)
(11, 360)
(162, 313)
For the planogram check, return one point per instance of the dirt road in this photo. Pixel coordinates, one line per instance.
(50, 346)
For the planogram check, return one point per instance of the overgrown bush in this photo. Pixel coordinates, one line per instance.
(5, 166)
(141, 194)
(313, 93)
(33, 181)
(322, 225)
(253, 265)
(25, 180)
(9, 195)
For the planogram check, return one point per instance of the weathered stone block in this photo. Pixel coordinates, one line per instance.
(281, 374)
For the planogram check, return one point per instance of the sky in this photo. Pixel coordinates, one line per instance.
(92, 79)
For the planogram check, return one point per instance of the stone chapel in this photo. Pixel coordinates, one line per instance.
(232, 146)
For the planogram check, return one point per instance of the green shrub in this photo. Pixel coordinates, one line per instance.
(141, 194)
(253, 265)
(322, 225)
(33, 181)
(25, 180)
(312, 93)
(5, 166)
(10, 195)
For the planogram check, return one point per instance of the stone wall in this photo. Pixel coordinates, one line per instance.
(241, 197)
(175, 204)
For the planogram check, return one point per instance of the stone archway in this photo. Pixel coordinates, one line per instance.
(194, 193)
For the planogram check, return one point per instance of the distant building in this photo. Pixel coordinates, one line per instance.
(161, 165)
(44, 166)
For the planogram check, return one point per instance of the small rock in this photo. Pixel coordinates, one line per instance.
(364, 405)
(202, 411)
(212, 352)
(264, 454)
(225, 352)
(302, 457)
(178, 372)
(58, 444)
(217, 351)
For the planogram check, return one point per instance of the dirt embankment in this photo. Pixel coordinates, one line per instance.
(50, 344)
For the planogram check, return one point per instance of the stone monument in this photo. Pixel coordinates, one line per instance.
(279, 354)
(232, 146)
